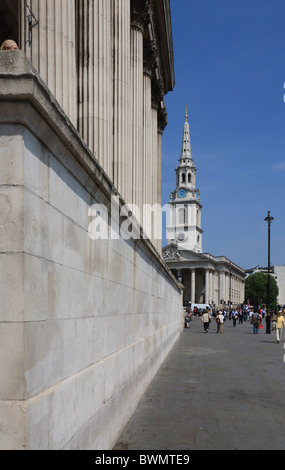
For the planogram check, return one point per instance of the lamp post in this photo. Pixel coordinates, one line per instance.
(268, 219)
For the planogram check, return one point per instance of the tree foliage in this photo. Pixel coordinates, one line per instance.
(256, 289)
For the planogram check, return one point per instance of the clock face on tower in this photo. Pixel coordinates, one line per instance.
(181, 193)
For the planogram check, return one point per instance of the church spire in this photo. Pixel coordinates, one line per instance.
(186, 144)
(185, 203)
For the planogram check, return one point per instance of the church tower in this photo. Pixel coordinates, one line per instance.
(185, 205)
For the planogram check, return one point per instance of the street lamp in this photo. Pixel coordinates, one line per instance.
(268, 219)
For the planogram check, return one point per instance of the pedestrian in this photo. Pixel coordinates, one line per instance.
(274, 320)
(263, 313)
(187, 320)
(206, 320)
(280, 323)
(255, 321)
(220, 322)
(250, 316)
(240, 317)
(235, 317)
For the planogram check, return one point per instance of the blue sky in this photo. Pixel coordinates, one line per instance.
(230, 71)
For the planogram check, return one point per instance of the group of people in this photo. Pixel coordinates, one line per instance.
(253, 316)
(207, 317)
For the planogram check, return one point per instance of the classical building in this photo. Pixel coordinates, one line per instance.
(206, 278)
(86, 321)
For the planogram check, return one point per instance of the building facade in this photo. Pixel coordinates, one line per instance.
(109, 64)
(85, 320)
(208, 279)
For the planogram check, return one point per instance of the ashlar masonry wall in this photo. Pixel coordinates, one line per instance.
(84, 324)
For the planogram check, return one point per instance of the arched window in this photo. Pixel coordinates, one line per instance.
(183, 178)
(189, 177)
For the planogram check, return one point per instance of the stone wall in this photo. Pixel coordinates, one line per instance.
(84, 324)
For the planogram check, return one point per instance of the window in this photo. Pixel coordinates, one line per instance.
(9, 21)
(181, 215)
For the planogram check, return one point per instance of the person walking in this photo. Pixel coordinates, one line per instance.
(280, 323)
(240, 316)
(220, 322)
(206, 320)
(255, 321)
(235, 317)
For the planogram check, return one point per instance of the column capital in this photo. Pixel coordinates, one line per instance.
(141, 14)
(162, 119)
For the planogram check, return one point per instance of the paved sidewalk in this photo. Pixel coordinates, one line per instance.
(214, 392)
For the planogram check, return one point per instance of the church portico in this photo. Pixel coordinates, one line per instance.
(206, 279)
(193, 281)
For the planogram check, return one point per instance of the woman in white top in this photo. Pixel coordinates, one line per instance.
(206, 319)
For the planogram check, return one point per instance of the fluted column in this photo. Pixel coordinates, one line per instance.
(122, 164)
(137, 113)
(222, 292)
(52, 48)
(147, 147)
(207, 285)
(150, 129)
(193, 285)
(211, 285)
(160, 129)
(157, 216)
(95, 122)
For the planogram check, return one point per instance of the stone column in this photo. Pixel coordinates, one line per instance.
(210, 286)
(157, 219)
(207, 285)
(52, 48)
(222, 283)
(159, 178)
(95, 120)
(158, 128)
(147, 138)
(228, 287)
(136, 63)
(193, 285)
(121, 96)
